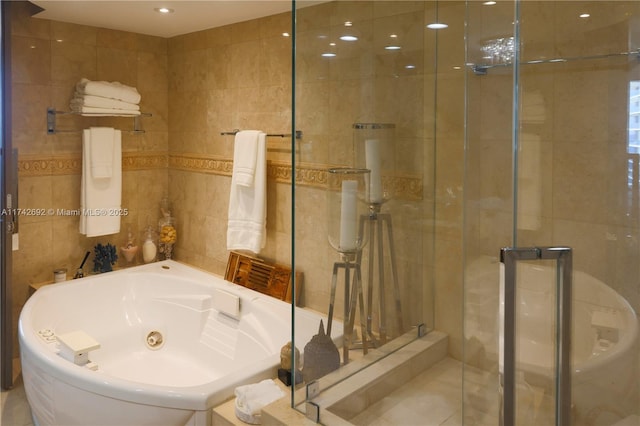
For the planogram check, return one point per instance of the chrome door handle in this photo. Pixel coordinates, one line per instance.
(507, 357)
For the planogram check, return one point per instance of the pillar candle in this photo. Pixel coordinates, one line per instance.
(372, 157)
(348, 215)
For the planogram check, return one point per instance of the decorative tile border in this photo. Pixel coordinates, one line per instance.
(201, 163)
(313, 175)
(59, 165)
(144, 160)
(408, 187)
(71, 164)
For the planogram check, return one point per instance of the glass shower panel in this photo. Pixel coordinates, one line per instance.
(489, 201)
(364, 74)
(573, 167)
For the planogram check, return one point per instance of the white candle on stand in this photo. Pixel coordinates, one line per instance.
(348, 215)
(372, 158)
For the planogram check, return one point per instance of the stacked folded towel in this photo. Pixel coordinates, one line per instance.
(252, 398)
(105, 98)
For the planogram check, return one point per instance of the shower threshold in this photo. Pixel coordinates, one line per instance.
(351, 390)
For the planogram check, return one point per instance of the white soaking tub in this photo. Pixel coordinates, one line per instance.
(604, 337)
(174, 342)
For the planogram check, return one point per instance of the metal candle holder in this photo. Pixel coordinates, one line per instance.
(353, 297)
(375, 221)
(374, 149)
(346, 191)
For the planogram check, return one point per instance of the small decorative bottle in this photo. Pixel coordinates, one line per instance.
(130, 249)
(149, 247)
(167, 229)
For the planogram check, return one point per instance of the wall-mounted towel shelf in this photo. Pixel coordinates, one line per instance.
(275, 135)
(483, 69)
(52, 114)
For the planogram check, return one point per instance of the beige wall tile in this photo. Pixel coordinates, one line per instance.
(115, 64)
(151, 44)
(353, 11)
(275, 62)
(23, 25)
(34, 262)
(72, 33)
(275, 25)
(114, 39)
(154, 67)
(71, 61)
(218, 67)
(29, 115)
(246, 70)
(243, 32)
(31, 60)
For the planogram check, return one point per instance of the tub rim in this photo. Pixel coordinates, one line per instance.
(195, 397)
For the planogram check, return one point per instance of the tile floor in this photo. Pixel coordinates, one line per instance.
(14, 408)
(432, 398)
(441, 383)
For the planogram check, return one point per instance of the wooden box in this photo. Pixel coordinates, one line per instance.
(267, 278)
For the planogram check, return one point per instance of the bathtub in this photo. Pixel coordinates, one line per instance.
(605, 337)
(174, 342)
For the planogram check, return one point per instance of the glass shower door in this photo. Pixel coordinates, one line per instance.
(552, 160)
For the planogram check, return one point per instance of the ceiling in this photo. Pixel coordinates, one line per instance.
(140, 17)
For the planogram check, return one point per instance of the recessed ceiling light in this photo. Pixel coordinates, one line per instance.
(393, 47)
(410, 67)
(285, 34)
(350, 34)
(437, 26)
(163, 10)
(489, 3)
(328, 55)
(584, 15)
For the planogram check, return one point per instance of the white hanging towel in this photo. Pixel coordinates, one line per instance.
(247, 222)
(101, 185)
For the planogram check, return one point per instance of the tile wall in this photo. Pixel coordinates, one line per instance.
(48, 58)
(239, 77)
(232, 77)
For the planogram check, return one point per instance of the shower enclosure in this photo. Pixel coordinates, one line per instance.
(519, 123)
(551, 160)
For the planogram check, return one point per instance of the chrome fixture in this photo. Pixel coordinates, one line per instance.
(507, 351)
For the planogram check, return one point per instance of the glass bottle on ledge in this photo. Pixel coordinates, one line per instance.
(167, 230)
